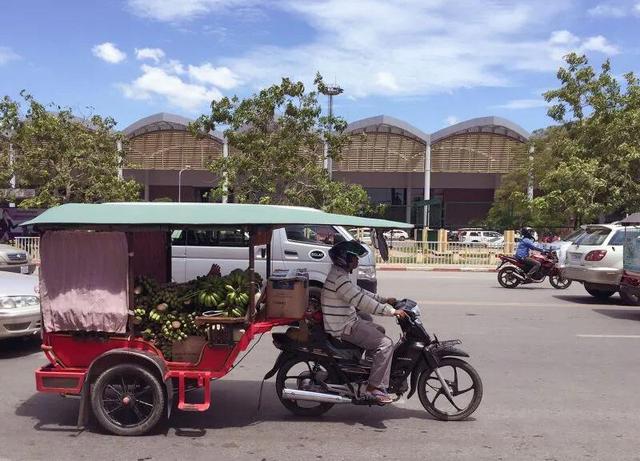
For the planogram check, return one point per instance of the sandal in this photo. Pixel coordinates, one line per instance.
(380, 396)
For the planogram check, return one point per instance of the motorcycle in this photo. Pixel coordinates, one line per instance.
(315, 375)
(513, 272)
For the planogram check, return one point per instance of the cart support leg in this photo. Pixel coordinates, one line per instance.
(83, 411)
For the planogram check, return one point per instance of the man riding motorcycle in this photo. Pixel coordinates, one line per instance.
(525, 245)
(342, 300)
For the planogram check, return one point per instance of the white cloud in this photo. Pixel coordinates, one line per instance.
(451, 120)
(636, 8)
(516, 104)
(221, 77)
(607, 10)
(7, 54)
(157, 81)
(109, 52)
(392, 47)
(599, 44)
(154, 54)
(181, 10)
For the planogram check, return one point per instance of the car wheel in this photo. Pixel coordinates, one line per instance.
(598, 293)
(630, 299)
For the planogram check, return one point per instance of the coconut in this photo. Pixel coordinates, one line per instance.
(162, 307)
(176, 324)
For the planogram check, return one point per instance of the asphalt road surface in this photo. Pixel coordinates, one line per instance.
(561, 375)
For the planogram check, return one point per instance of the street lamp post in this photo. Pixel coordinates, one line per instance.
(530, 182)
(331, 91)
(186, 167)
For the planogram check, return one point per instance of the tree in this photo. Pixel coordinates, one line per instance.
(599, 158)
(276, 139)
(588, 166)
(64, 158)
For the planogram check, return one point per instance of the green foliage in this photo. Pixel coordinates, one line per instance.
(276, 139)
(66, 159)
(587, 167)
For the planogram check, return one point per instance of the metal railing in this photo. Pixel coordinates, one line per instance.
(420, 253)
(29, 244)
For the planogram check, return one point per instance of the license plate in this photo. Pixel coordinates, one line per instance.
(575, 257)
(24, 269)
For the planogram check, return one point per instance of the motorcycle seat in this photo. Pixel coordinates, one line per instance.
(339, 344)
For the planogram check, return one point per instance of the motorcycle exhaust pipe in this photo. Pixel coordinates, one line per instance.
(308, 396)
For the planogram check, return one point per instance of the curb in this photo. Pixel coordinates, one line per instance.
(434, 269)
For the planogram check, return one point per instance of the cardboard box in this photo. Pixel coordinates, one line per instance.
(287, 296)
(188, 350)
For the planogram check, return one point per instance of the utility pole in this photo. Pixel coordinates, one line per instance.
(530, 184)
(331, 91)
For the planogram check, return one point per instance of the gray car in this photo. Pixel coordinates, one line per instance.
(19, 305)
(13, 259)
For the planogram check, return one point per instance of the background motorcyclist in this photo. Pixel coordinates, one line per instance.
(341, 301)
(525, 245)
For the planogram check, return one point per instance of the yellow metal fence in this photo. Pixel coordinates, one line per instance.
(420, 253)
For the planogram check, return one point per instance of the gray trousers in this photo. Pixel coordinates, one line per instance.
(367, 335)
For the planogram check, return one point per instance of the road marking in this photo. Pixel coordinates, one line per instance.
(609, 336)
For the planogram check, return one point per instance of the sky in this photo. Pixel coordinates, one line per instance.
(432, 63)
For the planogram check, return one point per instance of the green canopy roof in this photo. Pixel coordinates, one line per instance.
(196, 214)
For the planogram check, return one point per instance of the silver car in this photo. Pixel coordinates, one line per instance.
(15, 260)
(19, 305)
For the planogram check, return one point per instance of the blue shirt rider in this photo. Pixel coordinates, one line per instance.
(525, 245)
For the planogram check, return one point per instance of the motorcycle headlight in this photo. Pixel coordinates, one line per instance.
(16, 302)
(367, 272)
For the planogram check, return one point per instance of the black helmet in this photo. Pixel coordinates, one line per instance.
(526, 232)
(340, 252)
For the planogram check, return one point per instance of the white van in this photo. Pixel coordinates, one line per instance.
(194, 251)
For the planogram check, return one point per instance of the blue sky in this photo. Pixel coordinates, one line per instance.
(429, 62)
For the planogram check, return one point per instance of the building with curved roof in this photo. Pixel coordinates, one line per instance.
(161, 145)
(456, 169)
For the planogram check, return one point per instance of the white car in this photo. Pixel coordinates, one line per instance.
(15, 260)
(396, 234)
(478, 236)
(19, 305)
(595, 258)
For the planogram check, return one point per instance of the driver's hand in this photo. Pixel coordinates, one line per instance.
(400, 313)
(392, 301)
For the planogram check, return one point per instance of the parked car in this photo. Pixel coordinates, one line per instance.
(15, 260)
(477, 236)
(595, 258)
(194, 251)
(396, 234)
(19, 305)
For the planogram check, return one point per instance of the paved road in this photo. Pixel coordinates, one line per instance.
(560, 371)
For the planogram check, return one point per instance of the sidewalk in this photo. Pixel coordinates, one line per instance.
(435, 268)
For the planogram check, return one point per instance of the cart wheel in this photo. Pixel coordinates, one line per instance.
(128, 399)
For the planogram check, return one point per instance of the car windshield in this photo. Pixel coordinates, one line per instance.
(593, 236)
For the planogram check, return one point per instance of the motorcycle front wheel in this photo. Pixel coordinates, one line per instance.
(558, 282)
(465, 389)
(507, 277)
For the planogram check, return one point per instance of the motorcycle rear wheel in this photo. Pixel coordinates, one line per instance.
(450, 368)
(558, 282)
(298, 373)
(507, 277)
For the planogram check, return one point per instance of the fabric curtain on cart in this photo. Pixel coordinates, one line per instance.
(84, 281)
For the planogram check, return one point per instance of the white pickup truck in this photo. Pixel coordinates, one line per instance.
(194, 251)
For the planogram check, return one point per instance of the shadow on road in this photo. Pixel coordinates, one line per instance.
(623, 314)
(233, 404)
(50, 412)
(589, 300)
(19, 347)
